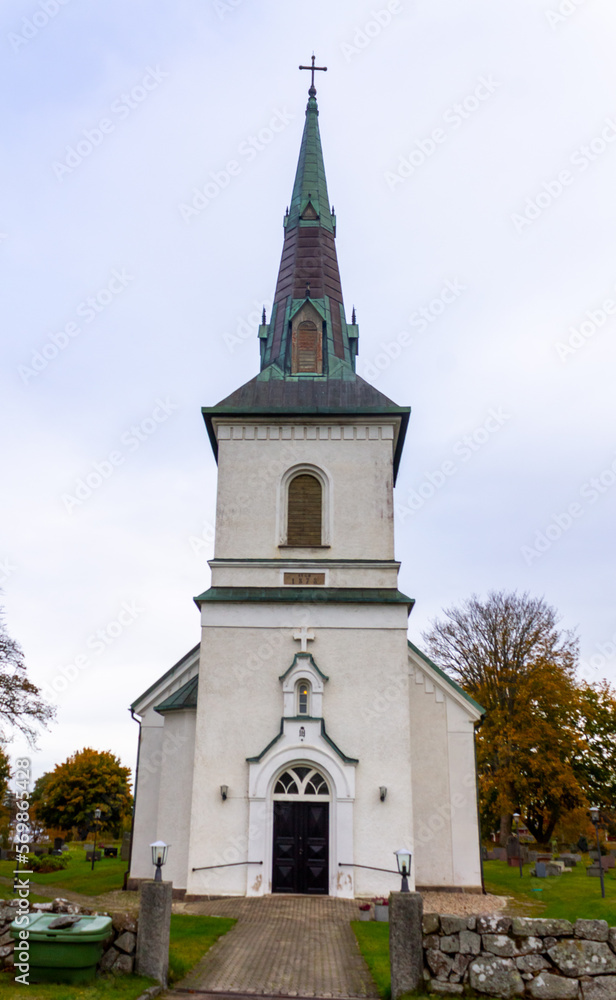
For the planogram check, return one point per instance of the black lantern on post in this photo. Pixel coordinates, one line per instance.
(516, 817)
(97, 816)
(594, 815)
(403, 857)
(159, 857)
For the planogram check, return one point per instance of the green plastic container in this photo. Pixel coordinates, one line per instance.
(66, 955)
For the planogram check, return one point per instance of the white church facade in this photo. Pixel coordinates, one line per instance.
(305, 739)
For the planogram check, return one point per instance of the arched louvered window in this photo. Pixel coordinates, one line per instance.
(304, 512)
(300, 782)
(306, 349)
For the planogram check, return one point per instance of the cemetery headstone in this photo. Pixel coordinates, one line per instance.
(125, 849)
(540, 867)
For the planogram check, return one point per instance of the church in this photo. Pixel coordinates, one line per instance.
(305, 739)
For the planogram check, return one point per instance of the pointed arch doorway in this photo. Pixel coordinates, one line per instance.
(300, 862)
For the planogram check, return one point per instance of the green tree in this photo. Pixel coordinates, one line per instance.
(88, 780)
(510, 655)
(21, 704)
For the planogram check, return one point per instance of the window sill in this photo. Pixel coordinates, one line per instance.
(285, 546)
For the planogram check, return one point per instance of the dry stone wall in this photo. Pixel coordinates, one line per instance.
(519, 957)
(118, 950)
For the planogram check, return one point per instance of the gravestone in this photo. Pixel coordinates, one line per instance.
(57, 843)
(111, 852)
(553, 868)
(594, 870)
(540, 867)
(125, 849)
(484, 853)
(97, 855)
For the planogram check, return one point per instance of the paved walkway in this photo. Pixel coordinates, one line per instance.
(296, 946)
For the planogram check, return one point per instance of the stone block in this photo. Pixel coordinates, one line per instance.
(124, 964)
(471, 923)
(42, 907)
(532, 945)
(599, 988)
(432, 941)
(405, 942)
(553, 868)
(450, 943)
(611, 936)
(452, 925)
(583, 958)
(470, 943)
(532, 963)
(498, 977)
(448, 989)
(7, 950)
(108, 960)
(6, 937)
(152, 957)
(547, 986)
(493, 925)
(592, 930)
(541, 926)
(124, 922)
(499, 944)
(430, 923)
(439, 963)
(126, 942)
(461, 964)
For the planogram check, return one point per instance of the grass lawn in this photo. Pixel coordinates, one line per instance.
(108, 874)
(373, 940)
(571, 895)
(191, 937)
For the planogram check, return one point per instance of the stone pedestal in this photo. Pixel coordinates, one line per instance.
(405, 942)
(152, 956)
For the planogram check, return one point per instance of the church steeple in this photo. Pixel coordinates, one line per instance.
(308, 334)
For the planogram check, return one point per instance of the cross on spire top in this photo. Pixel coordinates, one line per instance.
(312, 91)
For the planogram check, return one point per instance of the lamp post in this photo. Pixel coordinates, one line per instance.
(516, 817)
(594, 815)
(97, 816)
(159, 857)
(403, 857)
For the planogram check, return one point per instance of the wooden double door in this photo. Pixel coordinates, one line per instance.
(301, 848)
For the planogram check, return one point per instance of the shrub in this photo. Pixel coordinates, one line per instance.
(47, 863)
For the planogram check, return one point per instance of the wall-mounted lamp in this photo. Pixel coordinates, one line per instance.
(224, 790)
(382, 792)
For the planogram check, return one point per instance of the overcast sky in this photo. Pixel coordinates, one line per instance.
(470, 151)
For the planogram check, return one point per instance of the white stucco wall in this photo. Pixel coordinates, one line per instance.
(253, 458)
(362, 649)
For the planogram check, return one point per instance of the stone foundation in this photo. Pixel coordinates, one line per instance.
(519, 957)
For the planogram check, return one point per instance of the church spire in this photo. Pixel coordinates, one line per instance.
(308, 293)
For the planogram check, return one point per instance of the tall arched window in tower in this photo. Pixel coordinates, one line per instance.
(307, 350)
(304, 511)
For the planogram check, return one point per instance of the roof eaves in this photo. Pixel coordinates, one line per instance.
(168, 673)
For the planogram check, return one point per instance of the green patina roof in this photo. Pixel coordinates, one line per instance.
(309, 656)
(447, 678)
(310, 185)
(185, 697)
(303, 718)
(298, 595)
(167, 674)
